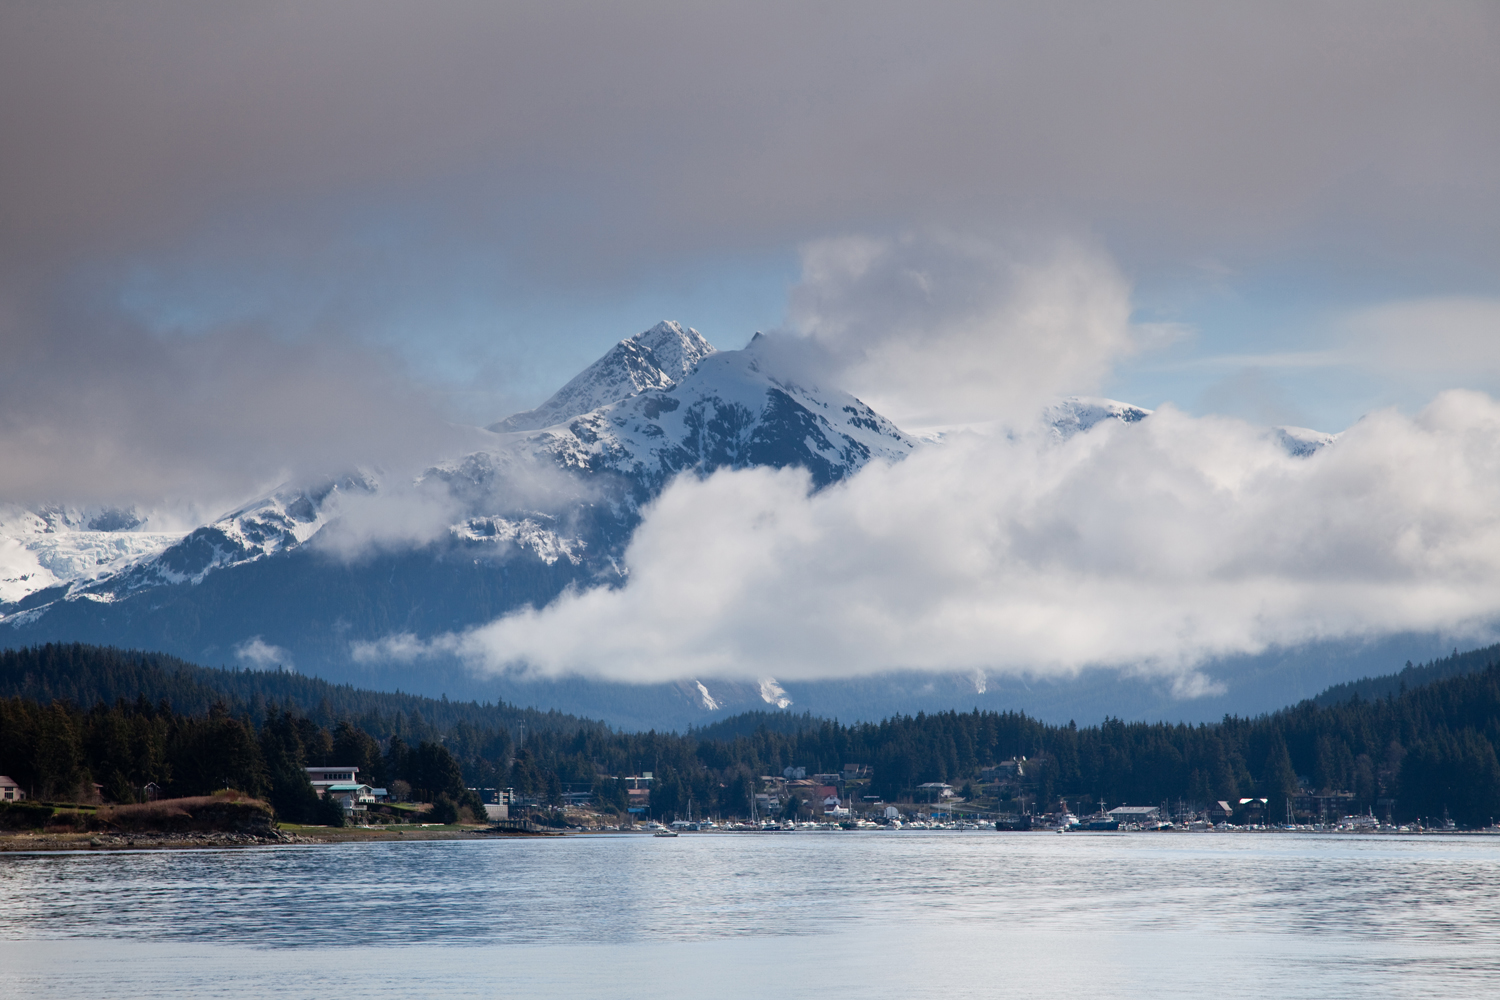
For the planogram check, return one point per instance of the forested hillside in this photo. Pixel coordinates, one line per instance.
(85, 675)
(1431, 749)
(1457, 665)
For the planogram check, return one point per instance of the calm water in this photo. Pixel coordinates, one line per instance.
(869, 914)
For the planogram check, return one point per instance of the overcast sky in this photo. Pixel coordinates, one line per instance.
(299, 232)
(242, 242)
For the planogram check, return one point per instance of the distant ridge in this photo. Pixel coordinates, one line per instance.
(87, 675)
(749, 723)
(1370, 688)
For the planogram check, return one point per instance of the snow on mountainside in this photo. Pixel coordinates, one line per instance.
(657, 404)
(281, 520)
(566, 493)
(1077, 414)
(655, 359)
(1301, 442)
(730, 412)
(61, 546)
(549, 504)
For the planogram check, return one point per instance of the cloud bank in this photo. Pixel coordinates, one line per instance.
(941, 328)
(1151, 547)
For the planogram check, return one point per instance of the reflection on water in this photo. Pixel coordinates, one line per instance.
(900, 915)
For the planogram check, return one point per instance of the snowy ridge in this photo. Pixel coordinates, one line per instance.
(1077, 414)
(528, 533)
(654, 359)
(277, 522)
(1301, 442)
(728, 413)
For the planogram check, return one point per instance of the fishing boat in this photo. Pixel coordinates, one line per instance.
(1097, 822)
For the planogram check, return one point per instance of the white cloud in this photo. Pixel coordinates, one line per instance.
(257, 654)
(403, 647)
(401, 515)
(939, 328)
(1149, 547)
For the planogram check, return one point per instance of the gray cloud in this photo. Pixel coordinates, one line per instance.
(215, 220)
(598, 137)
(94, 410)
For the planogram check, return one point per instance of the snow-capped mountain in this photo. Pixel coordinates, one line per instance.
(549, 503)
(729, 412)
(1077, 414)
(657, 358)
(1300, 442)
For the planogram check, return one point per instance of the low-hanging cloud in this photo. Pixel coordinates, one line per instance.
(1151, 547)
(943, 328)
(257, 654)
(413, 512)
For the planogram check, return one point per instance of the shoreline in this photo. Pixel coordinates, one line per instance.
(32, 842)
(63, 842)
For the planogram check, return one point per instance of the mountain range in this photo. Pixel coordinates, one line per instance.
(304, 575)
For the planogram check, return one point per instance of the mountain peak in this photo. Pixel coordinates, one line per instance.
(657, 358)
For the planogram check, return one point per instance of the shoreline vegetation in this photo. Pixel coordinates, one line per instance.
(1422, 756)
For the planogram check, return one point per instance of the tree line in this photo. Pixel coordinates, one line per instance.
(1427, 751)
(57, 752)
(85, 675)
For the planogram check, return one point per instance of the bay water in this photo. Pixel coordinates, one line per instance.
(867, 914)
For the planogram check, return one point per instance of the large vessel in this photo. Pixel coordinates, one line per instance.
(1098, 821)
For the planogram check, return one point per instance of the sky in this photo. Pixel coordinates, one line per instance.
(321, 230)
(243, 243)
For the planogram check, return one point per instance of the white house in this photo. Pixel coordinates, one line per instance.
(10, 791)
(353, 796)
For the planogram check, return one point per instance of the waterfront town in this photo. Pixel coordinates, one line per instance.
(998, 798)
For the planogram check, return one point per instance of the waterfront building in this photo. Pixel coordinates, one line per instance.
(353, 796)
(323, 777)
(10, 791)
(1136, 814)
